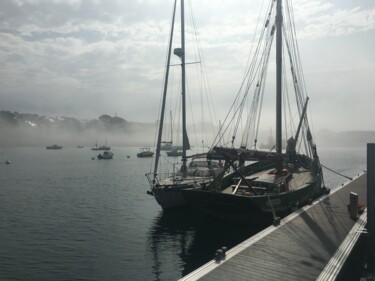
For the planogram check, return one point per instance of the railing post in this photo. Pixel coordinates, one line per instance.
(353, 205)
(371, 189)
(371, 206)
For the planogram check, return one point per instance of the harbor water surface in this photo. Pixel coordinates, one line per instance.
(64, 216)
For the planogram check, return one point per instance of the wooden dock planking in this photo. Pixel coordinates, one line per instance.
(298, 249)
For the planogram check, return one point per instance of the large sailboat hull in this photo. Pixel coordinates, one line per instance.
(169, 194)
(237, 201)
(169, 197)
(242, 208)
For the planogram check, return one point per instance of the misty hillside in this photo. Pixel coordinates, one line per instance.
(33, 129)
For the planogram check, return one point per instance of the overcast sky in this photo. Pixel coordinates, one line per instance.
(84, 58)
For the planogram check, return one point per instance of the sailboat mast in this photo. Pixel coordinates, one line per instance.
(183, 93)
(161, 122)
(279, 45)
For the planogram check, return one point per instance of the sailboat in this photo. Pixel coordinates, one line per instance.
(262, 183)
(166, 188)
(102, 147)
(167, 145)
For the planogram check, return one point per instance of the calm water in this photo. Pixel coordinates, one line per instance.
(64, 216)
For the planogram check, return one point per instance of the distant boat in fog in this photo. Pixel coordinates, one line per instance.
(166, 145)
(80, 146)
(106, 155)
(175, 152)
(145, 152)
(55, 146)
(102, 147)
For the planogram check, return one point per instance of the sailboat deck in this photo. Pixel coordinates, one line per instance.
(301, 248)
(190, 180)
(298, 179)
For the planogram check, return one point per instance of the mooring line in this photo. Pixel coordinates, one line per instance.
(335, 172)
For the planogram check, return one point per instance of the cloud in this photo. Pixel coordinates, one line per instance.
(322, 19)
(86, 57)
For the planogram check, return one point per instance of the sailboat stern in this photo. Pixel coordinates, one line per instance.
(169, 197)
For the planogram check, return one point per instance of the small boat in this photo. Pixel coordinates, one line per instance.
(166, 145)
(145, 152)
(7, 162)
(175, 152)
(80, 146)
(106, 155)
(55, 146)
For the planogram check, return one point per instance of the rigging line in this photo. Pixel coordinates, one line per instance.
(303, 82)
(204, 74)
(294, 79)
(233, 107)
(241, 105)
(262, 61)
(285, 98)
(335, 172)
(258, 96)
(251, 78)
(263, 79)
(179, 130)
(250, 65)
(261, 105)
(299, 81)
(200, 77)
(191, 112)
(248, 72)
(291, 52)
(296, 56)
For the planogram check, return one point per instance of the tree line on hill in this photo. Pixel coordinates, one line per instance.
(33, 129)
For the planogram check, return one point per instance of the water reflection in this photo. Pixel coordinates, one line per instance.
(181, 241)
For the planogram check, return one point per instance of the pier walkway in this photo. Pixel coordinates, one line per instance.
(310, 244)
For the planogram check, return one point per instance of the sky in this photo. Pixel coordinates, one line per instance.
(82, 58)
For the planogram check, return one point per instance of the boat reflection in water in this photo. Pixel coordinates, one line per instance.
(193, 238)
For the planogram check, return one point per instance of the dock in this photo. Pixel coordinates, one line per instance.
(312, 243)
